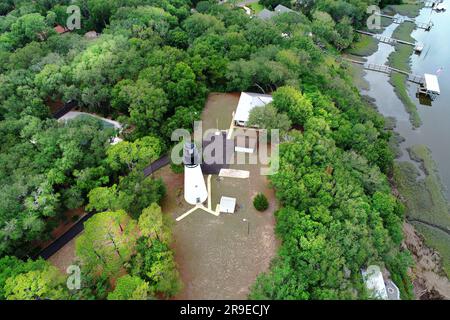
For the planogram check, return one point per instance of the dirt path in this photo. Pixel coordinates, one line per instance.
(65, 256)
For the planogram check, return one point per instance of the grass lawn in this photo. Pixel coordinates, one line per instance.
(425, 200)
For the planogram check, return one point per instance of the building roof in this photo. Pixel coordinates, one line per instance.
(282, 9)
(375, 282)
(432, 83)
(60, 29)
(227, 204)
(247, 102)
(266, 14)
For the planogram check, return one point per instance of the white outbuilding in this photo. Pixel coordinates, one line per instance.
(227, 204)
(247, 102)
(430, 86)
(374, 281)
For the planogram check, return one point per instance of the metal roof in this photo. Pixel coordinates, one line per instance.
(282, 9)
(432, 83)
(266, 14)
(227, 204)
(247, 102)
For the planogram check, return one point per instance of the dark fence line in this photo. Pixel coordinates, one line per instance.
(68, 106)
(60, 242)
(78, 227)
(156, 165)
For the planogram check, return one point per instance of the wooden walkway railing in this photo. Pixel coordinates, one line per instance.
(385, 39)
(388, 70)
(421, 25)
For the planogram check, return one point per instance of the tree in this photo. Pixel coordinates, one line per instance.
(271, 4)
(260, 202)
(133, 193)
(268, 118)
(36, 284)
(156, 265)
(11, 266)
(198, 24)
(30, 27)
(107, 243)
(130, 288)
(147, 106)
(133, 154)
(154, 224)
(292, 102)
(103, 198)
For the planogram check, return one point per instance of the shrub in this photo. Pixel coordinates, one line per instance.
(260, 202)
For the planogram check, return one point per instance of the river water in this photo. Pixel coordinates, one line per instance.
(435, 130)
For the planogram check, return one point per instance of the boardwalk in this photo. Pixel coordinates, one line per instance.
(385, 39)
(396, 19)
(388, 70)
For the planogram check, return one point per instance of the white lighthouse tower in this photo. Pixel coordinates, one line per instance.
(195, 192)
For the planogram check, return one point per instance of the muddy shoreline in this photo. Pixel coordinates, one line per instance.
(428, 275)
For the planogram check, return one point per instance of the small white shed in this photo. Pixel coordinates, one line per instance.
(227, 204)
(430, 86)
(374, 281)
(247, 102)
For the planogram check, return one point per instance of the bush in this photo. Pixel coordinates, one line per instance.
(260, 202)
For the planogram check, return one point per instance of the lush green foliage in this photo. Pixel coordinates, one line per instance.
(113, 243)
(130, 288)
(30, 280)
(151, 68)
(260, 202)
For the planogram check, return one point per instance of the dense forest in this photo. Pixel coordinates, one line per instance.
(151, 68)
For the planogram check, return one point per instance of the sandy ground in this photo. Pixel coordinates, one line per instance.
(220, 257)
(65, 256)
(427, 275)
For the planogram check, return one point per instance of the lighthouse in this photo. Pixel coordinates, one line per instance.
(194, 184)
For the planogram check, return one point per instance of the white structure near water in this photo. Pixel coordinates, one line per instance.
(430, 86)
(247, 102)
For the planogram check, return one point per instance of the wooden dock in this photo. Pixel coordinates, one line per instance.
(418, 48)
(431, 3)
(387, 40)
(399, 20)
(414, 78)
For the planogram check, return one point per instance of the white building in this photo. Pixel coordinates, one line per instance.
(374, 281)
(247, 102)
(430, 86)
